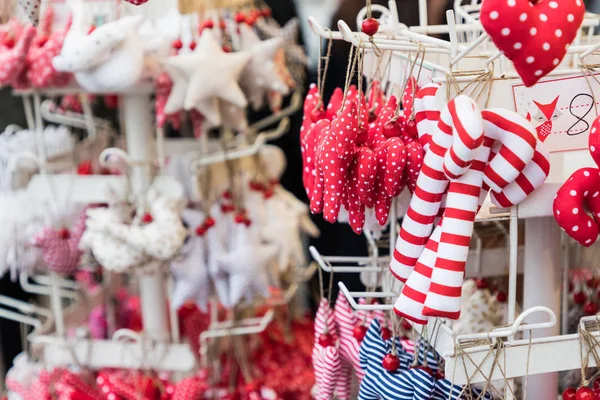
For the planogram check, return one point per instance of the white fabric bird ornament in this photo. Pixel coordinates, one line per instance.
(247, 266)
(110, 58)
(189, 268)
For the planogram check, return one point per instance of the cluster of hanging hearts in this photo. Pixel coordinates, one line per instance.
(359, 155)
(364, 345)
(469, 153)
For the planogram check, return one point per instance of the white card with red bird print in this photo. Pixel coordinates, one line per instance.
(561, 110)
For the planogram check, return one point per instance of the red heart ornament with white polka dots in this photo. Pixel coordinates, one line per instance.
(535, 37)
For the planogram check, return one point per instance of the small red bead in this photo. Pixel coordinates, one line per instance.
(227, 49)
(192, 45)
(208, 24)
(585, 394)
(177, 44)
(64, 233)
(391, 129)
(363, 134)
(240, 18)
(386, 333)
(227, 195)
(200, 230)
(591, 283)
(481, 284)
(359, 332)
(247, 222)
(406, 326)
(579, 297)
(326, 340)
(147, 218)
(240, 218)
(391, 362)
(209, 222)
(318, 114)
(9, 42)
(590, 308)
(501, 297)
(410, 127)
(370, 26)
(266, 12)
(268, 193)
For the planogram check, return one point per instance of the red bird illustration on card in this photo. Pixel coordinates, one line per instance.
(545, 114)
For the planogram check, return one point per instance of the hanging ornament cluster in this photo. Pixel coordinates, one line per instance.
(358, 155)
(470, 152)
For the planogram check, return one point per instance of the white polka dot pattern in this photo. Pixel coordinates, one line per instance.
(528, 32)
(13, 61)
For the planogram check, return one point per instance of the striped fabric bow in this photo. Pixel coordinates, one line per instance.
(470, 153)
(325, 355)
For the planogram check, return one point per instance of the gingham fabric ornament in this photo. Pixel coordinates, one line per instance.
(212, 75)
(295, 57)
(31, 9)
(189, 267)
(247, 264)
(460, 115)
(45, 46)
(581, 192)
(349, 347)
(13, 59)
(160, 239)
(308, 139)
(85, 54)
(534, 36)
(60, 247)
(325, 355)
(334, 156)
(260, 74)
(404, 384)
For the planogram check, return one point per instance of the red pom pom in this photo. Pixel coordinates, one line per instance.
(266, 12)
(64, 233)
(240, 218)
(177, 44)
(269, 193)
(227, 195)
(585, 394)
(147, 218)
(359, 332)
(501, 297)
(247, 222)
(590, 308)
(200, 230)
(481, 284)
(192, 45)
(326, 340)
(84, 168)
(391, 362)
(370, 26)
(579, 297)
(209, 222)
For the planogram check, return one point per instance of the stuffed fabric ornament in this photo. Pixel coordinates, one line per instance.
(60, 248)
(160, 239)
(334, 156)
(212, 74)
(47, 45)
(173, 101)
(308, 139)
(579, 193)
(247, 266)
(13, 60)
(359, 187)
(391, 160)
(109, 58)
(534, 36)
(325, 356)
(349, 347)
(260, 74)
(189, 268)
(461, 117)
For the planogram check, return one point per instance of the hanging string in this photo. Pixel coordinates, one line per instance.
(420, 52)
(361, 65)
(322, 75)
(352, 60)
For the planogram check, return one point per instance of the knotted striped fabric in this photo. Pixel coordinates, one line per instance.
(349, 347)
(427, 112)
(326, 360)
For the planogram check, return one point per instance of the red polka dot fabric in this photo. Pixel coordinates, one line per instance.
(535, 37)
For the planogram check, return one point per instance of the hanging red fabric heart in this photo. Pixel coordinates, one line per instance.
(533, 35)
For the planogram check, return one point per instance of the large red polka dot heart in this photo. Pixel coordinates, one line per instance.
(534, 37)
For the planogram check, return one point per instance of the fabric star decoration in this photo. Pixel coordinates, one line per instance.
(261, 74)
(295, 55)
(189, 269)
(179, 84)
(212, 75)
(247, 266)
